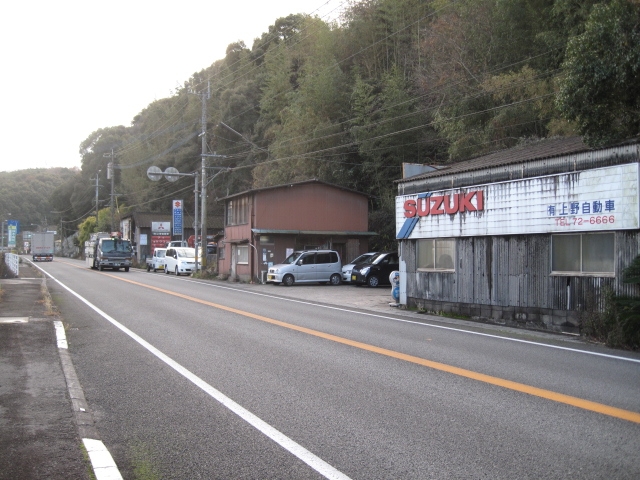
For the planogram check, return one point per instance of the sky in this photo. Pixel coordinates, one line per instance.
(71, 67)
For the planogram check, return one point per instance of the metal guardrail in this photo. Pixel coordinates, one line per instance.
(13, 261)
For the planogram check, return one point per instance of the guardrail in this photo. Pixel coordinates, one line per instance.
(13, 262)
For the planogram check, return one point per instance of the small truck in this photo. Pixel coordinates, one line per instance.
(156, 261)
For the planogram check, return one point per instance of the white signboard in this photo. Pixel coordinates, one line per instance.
(590, 200)
(161, 227)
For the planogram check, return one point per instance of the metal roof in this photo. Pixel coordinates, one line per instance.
(289, 185)
(538, 150)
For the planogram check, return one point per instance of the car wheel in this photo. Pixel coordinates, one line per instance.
(177, 274)
(288, 280)
(149, 268)
(166, 271)
(126, 269)
(335, 279)
(101, 268)
(373, 281)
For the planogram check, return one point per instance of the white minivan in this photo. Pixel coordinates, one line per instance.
(307, 266)
(180, 261)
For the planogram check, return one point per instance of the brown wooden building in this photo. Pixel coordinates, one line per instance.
(263, 226)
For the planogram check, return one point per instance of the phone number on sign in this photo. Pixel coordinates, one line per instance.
(598, 220)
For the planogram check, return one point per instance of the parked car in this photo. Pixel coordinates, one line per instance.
(156, 261)
(307, 266)
(376, 271)
(346, 269)
(180, 260)
(177, 243)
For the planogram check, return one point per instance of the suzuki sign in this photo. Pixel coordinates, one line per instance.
(590, 200)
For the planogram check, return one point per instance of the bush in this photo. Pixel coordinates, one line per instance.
(618, 326)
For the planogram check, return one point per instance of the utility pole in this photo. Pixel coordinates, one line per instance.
(111, 176)
(97, 189)
(203, 178)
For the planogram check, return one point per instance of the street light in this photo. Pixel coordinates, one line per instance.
(155, 174)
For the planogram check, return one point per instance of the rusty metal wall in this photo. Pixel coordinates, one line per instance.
(515, 271)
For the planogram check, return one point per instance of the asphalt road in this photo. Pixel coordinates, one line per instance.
(192, 379)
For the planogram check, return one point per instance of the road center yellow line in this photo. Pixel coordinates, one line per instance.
(500, 382)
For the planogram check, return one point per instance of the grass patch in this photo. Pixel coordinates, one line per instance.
(143, 465)
(85, 455)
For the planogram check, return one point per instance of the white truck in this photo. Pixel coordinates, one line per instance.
(157, 260)
(42, 246)
(105, 250)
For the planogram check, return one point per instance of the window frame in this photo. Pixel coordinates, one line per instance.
(239, 256)
(237, 211)
(581, 273)
(435, 241)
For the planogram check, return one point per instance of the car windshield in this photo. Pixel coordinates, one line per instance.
(161, 253)
(186, 252)
(376, 259)
(110, 246)
(292, 258)
(364, 258)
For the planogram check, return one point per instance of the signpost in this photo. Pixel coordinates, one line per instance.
(177, 219)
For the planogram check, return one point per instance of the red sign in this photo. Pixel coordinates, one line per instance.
(159, 240)
(444, 204)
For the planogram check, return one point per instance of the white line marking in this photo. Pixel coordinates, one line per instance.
(60, 334)
(319, 465)
(101, 460)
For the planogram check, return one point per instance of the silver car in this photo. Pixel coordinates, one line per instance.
(307, 266)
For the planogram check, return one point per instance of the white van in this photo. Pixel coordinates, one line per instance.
(307, 266)
(177, 243)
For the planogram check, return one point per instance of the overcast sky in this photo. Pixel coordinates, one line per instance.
(70, 67)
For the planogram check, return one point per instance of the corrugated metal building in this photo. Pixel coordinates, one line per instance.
(262, 226)
(137, 227)
(528, 236)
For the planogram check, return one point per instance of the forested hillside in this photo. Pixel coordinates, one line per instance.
(392, 81)
(25, 195)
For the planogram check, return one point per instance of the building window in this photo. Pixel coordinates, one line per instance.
(238, 211)
(436, 254)
(243, 254)
(586, 253)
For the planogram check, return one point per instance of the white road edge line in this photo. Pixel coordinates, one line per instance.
(60, 335)
(319, 465)
(104, 467)
(423, 324)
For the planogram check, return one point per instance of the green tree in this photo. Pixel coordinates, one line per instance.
(304, 104)
(600, 90)
(86, 228)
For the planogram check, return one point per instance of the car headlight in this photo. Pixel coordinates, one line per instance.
(365, 270)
